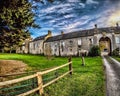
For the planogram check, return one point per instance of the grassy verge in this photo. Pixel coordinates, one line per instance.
(117, 58)
(85, 81)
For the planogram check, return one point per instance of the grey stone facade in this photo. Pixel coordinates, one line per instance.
(36, 46)
(24, 48)
(76, 43)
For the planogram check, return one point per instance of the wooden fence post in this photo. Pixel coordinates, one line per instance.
(83, 61)
(70, 65)
(40, 83)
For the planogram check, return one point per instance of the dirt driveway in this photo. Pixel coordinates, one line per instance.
(11, 67)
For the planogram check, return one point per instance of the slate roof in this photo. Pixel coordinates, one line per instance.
(40, 38)
(82, 33)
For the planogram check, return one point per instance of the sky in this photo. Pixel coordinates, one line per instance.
(74, 15)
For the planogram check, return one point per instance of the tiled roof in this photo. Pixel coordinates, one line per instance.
(83, 33)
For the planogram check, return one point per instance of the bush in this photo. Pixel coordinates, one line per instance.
(94, 51)
(115, 52)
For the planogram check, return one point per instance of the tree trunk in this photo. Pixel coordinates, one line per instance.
(3, 50)
(10, 49)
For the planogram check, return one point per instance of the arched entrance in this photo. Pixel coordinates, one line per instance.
(105, 45)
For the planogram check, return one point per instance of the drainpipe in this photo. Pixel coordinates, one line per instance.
(119, 44)
(59, 49)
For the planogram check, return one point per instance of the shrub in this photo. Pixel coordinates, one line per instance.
(115, 52)
(94, 51)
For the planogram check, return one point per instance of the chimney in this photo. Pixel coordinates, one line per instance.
(117, 25)
(62, 32)
(49, 33)
(95, 29)
(96, 26)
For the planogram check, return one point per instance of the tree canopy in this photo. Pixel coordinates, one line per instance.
(15, 17)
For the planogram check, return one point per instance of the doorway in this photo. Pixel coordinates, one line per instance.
(105, 45)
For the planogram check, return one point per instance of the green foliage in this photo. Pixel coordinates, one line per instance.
(85, 81)
(15, 17)
(16, 14)
(115, 52)
(10, 39)
(94, 51)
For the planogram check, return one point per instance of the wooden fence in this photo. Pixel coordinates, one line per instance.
(38, 75)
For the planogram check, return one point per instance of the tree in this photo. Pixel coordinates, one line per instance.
(48, 51)
(94, 51)
(116, 52)
(15, 17)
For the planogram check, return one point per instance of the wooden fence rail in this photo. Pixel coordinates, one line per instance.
(39, 76)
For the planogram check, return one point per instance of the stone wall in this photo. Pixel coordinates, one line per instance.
(69, 46)
(36, 47)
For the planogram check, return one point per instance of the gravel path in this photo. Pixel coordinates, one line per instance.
(112, 76)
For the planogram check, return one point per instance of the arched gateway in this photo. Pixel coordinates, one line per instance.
(105, 45)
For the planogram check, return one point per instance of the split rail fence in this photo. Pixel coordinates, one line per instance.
(36, 83)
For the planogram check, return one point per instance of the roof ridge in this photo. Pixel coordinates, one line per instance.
(81, 33)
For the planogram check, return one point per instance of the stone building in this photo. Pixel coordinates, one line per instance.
(36, 46)
(76, 43)
(24, 48)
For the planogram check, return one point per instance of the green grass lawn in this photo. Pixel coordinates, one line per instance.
(86, 80)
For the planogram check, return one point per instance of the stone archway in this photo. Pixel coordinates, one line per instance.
(105, 45)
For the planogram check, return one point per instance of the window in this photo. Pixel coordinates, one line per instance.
(91, 40)
(71, 49)
(71, 43)
(117, 39)
(62, 46)
(79, 42)
(30, 45)
(56, 47)
(95, 40)
(38, 44)
(33, 46)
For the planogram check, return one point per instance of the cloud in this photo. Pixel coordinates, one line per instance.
(72, 15)
(75, 25)
(114, 18)
(91, 2)
(64, 10)
(73, 1)
(53, 8)
(69, 16)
